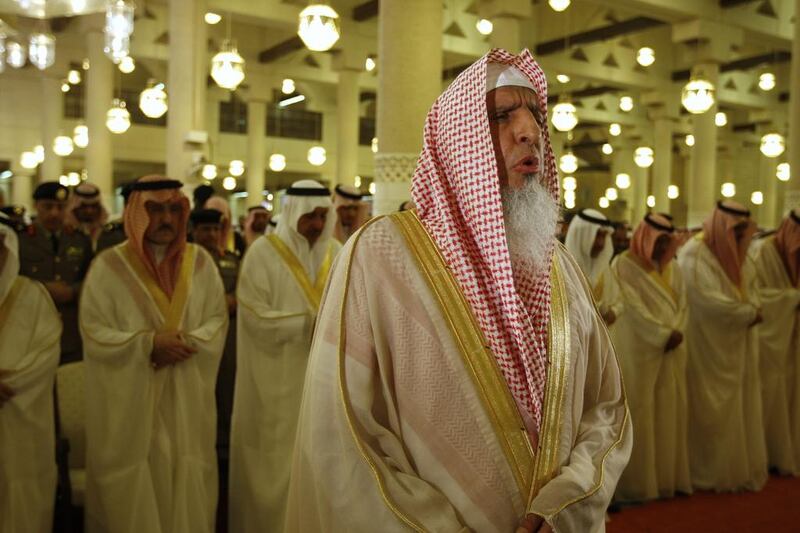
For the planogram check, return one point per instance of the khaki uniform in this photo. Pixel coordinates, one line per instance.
(113, 233)
(65, 259)
(228, 265)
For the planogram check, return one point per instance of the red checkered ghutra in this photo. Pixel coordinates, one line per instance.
(457, 193)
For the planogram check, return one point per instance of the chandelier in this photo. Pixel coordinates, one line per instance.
(209, 171)
(565, 116)
(623, 180)
(766, 81)
(118, 119)
(568, 163)
(728, 190)
(646, 56)
(62, 146)
(15, 54)
(319, 27)
(236, 168)
(229, 183)
(773, 144)
(80, 136)
(42, 50)
(227, 67)
(698, 96)
(673, 192)
(317, 156)
(118, 29)
(277, 162)
(643, 157)
(484, 26)
(153, 100)
(783, 172)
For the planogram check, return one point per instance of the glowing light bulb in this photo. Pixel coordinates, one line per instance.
(646, 56)
(277, 162)
(728, 190)
(484, 26)
(673, 192)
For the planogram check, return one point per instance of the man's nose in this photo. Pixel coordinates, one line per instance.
(528, 131)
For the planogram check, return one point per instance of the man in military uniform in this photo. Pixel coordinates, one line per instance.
(59, 258)
(114, 232)
(206, 230)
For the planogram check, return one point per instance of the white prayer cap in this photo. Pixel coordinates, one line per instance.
(502, 75)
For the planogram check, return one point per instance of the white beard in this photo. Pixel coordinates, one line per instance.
(531, 219)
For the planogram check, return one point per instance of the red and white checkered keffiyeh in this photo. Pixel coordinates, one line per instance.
(457, 193)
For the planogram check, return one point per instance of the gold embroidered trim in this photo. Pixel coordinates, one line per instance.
(478, 358)
(547, 463)
(171, 310)
(624, 425)
(312, 292)
(348, 409)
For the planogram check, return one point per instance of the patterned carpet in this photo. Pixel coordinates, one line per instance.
(775, 509)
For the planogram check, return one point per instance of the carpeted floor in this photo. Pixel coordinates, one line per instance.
(775, 509)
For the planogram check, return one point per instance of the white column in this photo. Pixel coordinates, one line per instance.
(22, 186)
(768, 185)
(662, 165)
(792, 197)
(52, 111)
(99, 93)
(186, 106)
(347, 127)
(409, 41)
(704, 156)
(640, 178)
(505, 34)
(256, 150)
(506, 16)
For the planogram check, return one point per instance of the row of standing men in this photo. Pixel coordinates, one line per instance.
(73, 254)
(707, 331)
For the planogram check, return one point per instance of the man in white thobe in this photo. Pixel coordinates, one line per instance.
(778, 270)
(29, 349)
(351, 211)
(727, 451)
(280, 286)
(85, 211)
(589, 241)
(153, 319)
(460, 378)
(648, 336)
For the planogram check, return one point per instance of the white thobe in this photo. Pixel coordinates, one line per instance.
(655, 380)
(150, 434)
(779, 344)
(394, 434)
(29, 348)
(274, 321)
(726, 431)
